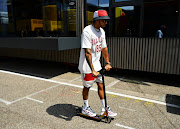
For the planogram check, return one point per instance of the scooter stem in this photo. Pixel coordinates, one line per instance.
(102, 73)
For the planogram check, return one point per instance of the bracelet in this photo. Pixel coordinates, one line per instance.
(108, 63)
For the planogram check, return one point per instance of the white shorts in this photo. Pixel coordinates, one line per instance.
(88, 79)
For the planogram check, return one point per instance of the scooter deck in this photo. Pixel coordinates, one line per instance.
(97, 117)
(83, 115)
(93, 117)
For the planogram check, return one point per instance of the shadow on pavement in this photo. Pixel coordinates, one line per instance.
(140, 77)
(38, 68)
(133, 81)
(175, 100)
(63, 111)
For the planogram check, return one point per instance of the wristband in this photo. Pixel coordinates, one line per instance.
(108, 63)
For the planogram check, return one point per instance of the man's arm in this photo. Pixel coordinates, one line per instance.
(89, 61)
(106, 57)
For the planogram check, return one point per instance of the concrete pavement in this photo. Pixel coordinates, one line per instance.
(40, 94)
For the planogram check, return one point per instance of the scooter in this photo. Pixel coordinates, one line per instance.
(105, 114)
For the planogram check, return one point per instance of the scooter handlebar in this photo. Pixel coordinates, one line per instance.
(101, 72)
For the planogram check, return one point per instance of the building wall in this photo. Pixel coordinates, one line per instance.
(128, 50)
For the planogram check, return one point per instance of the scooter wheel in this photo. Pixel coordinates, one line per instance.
(108, 120)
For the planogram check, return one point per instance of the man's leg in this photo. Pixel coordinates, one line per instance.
(100, 90)
(85, 93)
(101, 93)
(101, 96)
(86, 109)
(85, 96)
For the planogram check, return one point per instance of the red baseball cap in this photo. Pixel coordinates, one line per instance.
(100, 14)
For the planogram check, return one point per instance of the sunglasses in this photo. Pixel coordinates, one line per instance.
(104, 21)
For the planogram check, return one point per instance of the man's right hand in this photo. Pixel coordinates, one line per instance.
(95, 74)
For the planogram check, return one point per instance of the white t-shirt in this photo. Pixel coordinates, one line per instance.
(94, 40)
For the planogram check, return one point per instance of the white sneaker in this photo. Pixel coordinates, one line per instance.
(88, 111)
(110, 112)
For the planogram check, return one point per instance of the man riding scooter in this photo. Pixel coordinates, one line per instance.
(93, 41)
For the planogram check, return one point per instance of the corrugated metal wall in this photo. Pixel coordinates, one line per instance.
(142, 54)
(145, 54)
(66, 56)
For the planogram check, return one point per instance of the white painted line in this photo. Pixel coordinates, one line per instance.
(4, 101)
(75, 79)
(28, 76)
(127, 109)
(34, 100)
(123, 126)
(32, 94)
(113, 83)
(78, 86)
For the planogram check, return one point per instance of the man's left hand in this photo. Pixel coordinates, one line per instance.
(108, 67)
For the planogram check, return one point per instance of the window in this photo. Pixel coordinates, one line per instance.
(158, 13)
(6, 20)
(91, 6)
(38, 18)
(59, 18)
(126, 21)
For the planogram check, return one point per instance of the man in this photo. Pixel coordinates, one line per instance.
(159, 33)
(92, 43)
